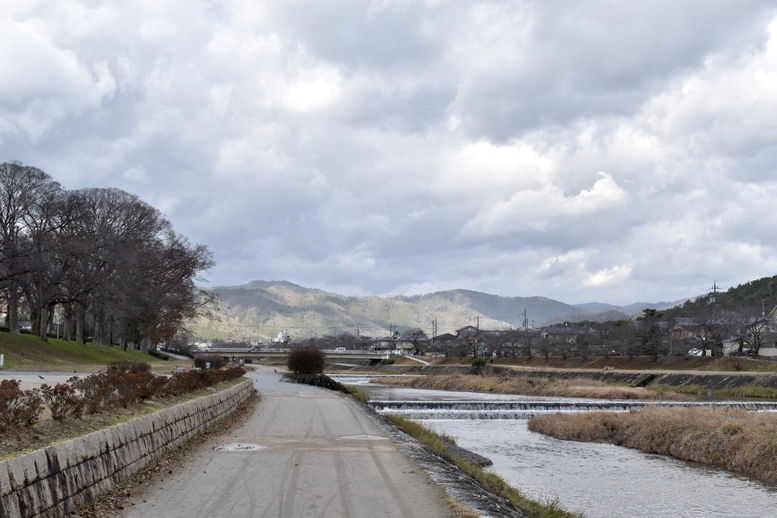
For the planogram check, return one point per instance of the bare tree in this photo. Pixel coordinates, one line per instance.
(417, 337)
(717, 325)
(754, 328)
(23, 190)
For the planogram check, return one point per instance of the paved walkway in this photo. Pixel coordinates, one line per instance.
(304, 452)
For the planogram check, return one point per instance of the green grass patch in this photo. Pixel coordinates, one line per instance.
(680, 389)
(747, 392)
(494, 483)
(30, 353)
(358, 394)
(744, 392)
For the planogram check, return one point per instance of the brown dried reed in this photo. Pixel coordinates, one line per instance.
(736, 440)
(580, 387)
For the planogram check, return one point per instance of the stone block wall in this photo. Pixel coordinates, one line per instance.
(54, 480)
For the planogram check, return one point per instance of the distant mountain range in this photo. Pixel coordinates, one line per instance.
(259, 310)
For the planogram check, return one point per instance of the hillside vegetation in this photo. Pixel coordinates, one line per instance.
(758, 296)
(260, 310)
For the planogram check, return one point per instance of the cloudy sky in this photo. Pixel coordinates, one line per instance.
(612, 151)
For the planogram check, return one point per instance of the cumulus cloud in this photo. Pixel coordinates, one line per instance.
(582, 152)
(546, 209)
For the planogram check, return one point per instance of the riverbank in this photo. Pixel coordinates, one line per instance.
(735, 440)
(495, 383)
(756, 382)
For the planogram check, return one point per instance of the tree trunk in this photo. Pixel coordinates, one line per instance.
(67, 323)
(13, 311)
(43, 323)
(145, 344)
(80, 318)
(97, 332)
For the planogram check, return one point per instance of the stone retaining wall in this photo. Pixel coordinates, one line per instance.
(53, 481)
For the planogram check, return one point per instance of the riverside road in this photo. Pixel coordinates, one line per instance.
(303, 452)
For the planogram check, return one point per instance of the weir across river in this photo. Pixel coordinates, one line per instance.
(479, 409)
(598, 480)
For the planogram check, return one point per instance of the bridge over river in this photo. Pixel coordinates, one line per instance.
(264, 353)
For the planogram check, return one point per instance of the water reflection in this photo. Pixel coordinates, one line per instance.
(602, 480)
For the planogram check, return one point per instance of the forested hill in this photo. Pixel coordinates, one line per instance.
(755, 297)
(260, 310)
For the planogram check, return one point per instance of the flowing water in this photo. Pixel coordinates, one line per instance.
(599, 480)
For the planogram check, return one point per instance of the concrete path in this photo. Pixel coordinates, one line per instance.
(304, 452)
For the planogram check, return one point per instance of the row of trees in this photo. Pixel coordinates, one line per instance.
(101, 260)
(702, 327)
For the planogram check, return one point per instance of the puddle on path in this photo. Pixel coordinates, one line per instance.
(238, 447)
(363, 437)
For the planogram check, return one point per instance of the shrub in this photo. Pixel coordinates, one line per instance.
(18, 407)
(98, 391)
(182, 382)
(306, 360)
(189, 381)
(130, 366)
(121, 385)
(132, 386)
(320, 380)
(63, 400)
(478, 366)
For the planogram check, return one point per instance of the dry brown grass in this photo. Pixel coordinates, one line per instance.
(736, 440)
(582, 388)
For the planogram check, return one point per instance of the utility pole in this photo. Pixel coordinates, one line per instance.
(434, 332)
(525, 321)
(714, 291)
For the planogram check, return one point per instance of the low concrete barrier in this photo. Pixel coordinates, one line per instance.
(55, 480)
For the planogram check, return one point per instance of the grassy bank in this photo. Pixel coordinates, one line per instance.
(493, 483)
(743, 392)
(29, 353)
(583, 388)
(736, 440)
(640, 363)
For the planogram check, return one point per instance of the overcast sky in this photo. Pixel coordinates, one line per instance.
(611, 151)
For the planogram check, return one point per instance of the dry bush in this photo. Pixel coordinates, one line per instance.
(63, 400)
(189, 381)
(129, 366)
(737, 440)
(98, 391)
(582, 387)
(17, 406)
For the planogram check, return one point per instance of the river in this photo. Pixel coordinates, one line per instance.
(598, 480)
